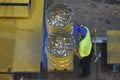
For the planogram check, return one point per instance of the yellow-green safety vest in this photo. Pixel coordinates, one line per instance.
(85, 45)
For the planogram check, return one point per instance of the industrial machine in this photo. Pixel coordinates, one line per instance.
(59, 43)
(20, 37)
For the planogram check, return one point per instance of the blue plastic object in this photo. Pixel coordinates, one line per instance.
(44, 36)
(99, 54)
(80, 29)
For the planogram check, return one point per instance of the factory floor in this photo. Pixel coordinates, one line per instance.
(99, 71)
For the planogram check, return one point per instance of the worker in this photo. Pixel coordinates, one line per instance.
(83, 49)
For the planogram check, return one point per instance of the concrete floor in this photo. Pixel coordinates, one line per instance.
(96, 74)
(99, 71)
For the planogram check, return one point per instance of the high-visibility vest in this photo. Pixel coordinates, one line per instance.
(85, 45)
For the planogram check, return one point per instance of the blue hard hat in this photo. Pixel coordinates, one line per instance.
(76, 28)
(81, 29)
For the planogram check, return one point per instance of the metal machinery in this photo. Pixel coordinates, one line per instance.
(110, 52)
(20, 37)
(113, 49)
(60, 43)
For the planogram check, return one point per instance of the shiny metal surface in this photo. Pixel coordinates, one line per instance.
(60, 43)
(59, 15)
(100, 40)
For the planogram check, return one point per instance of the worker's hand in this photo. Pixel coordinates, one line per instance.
(75, 51)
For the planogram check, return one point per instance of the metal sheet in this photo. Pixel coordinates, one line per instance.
(113, 46)
(6, 76)
(6, 54)
(27, 53)
(20, 41)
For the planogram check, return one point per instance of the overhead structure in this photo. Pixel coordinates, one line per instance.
(21, 41)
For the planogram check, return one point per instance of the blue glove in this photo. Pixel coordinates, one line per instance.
(99, 54)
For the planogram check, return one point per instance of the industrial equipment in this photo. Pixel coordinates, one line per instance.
(59, 16)
(59, 49)
(60, 43)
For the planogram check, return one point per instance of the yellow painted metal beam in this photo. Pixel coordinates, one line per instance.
(6, 76)
(113, 46)
(20, 41)
(15, 1)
